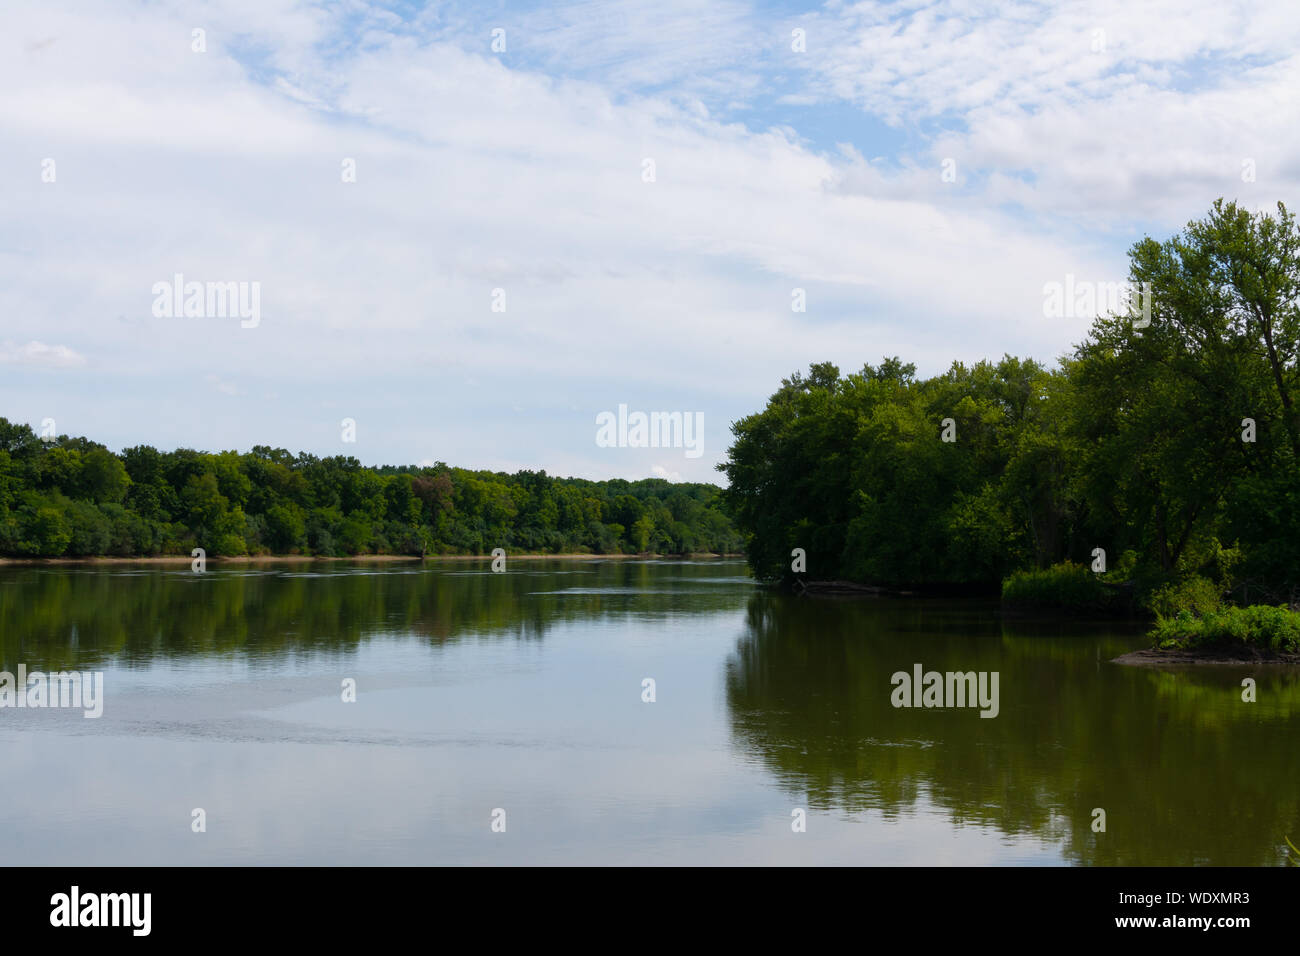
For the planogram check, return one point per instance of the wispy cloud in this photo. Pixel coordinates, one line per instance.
(525, 171)
(40, 355)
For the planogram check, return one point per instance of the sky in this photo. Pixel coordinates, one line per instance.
(469, 229)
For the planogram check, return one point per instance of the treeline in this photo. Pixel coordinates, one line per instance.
(72, 497)
(1174, 447)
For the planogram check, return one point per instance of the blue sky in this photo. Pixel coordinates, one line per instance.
(1071, 129)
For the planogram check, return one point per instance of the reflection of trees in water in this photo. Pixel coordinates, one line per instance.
(69, 617)
(1186, 772)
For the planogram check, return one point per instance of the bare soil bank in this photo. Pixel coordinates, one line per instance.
(1151, 657)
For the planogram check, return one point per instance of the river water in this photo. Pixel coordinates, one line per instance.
(503, 718)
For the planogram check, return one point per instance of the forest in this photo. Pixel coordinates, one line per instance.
(72, 497)
(1161, 458)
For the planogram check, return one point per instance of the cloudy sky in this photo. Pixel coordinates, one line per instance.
(645, 181)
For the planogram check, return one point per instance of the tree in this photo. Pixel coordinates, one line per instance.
(1174, 439)
(76, 496)
(103, 476)
(286, 528)
(642, 529)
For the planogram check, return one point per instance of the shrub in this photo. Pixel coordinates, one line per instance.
(1260, 625)
(1195, 594)
(1064, 585)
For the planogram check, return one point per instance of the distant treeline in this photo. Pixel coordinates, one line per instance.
(1173, 446)
(72, 497)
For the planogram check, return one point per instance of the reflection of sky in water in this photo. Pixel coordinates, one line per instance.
(553, 729)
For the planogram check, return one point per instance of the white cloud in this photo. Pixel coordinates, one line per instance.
(38, 354)
(523, 172)
(1107, 113)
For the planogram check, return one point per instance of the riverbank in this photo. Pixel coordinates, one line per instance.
(1225, 654)
(376, 558)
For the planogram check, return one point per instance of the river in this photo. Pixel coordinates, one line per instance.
(505, 718)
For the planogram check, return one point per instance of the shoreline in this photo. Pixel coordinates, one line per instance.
(365, 558)
(1221, 656)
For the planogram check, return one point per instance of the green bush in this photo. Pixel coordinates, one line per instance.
(1196, 594)
(1064, 585)
(1260, 625)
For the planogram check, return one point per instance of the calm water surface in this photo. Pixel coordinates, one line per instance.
(523, 691)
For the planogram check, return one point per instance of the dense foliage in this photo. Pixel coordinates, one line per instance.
(1065, 586)
(72, 497)
(1259, 626)
(1135, 443)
